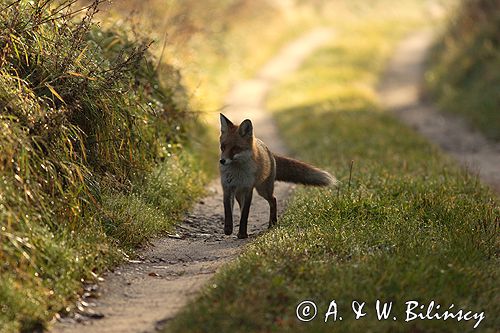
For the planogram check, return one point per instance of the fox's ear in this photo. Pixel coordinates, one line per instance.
(246, 128)
(225, 123)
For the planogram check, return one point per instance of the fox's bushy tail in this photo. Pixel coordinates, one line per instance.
(293, 171)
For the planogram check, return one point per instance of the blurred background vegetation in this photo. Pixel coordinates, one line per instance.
(106, 112)
(211, 42)
(464, 66)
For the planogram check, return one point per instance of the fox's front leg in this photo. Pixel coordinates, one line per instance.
(228, 211)
(245, 200)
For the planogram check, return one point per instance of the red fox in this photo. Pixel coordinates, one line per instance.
(246, 163)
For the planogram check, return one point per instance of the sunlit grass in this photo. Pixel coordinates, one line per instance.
(406, 224)
(154, 205)
(94, 155)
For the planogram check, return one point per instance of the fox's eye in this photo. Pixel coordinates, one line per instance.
(222, 146)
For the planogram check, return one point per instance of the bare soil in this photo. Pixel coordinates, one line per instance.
(400, 91)
(142, 295)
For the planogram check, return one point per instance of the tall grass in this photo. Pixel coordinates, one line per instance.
(88, 125)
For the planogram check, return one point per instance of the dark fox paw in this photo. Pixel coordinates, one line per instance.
(242, 236)
(228, 230)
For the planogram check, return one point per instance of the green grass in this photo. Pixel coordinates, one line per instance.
(464, 73)
(408, 225)
(154, 205)
(94, 155)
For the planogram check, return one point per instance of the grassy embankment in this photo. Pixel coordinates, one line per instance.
(94, 154)
(464, 73)
(408, 225)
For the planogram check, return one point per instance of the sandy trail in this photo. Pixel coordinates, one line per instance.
(142, 295)
(400, 92)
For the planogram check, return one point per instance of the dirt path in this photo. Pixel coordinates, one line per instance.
(400, 92)
(143, 295)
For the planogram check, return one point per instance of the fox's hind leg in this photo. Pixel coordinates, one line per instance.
(266, 190)
(273, 214)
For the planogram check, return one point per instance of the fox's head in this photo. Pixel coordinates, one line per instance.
(236, 142)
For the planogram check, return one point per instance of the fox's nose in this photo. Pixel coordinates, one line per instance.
(223, 161)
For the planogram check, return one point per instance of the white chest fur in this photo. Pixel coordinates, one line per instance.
(238, 175)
